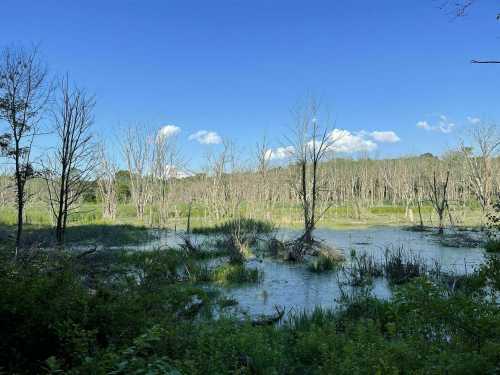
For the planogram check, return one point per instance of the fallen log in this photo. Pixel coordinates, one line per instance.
(269, 320)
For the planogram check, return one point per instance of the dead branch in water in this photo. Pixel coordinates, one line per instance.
(269, 320)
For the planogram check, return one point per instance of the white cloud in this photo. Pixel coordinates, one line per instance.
(279, 153)
(168, 131)
(424, 125)
(385, 136)
(344, 141)
(206, 137)
(444, 125)
(473, 120)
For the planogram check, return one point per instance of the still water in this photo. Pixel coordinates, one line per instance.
(294, 287)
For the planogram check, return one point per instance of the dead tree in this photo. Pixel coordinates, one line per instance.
(24, 94)
(106, 182)
(167, 168)
(438, 197)
(311, 145)
(67, 172)
(479, 163)
(136, 147)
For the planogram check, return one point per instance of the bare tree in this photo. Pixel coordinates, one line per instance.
(106, 182)
(439, 198)
(460, 8)
(479, 162)
(138, 151)
(311, 144)
(167, 168)
(68, 170)
(24, 94)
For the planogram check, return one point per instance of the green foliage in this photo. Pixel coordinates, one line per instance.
(323, 263)
(236, 274)
(135, 313)
(492, 246)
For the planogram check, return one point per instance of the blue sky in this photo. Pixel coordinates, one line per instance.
(236, 68)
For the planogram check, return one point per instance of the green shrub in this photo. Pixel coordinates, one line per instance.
(492, 246)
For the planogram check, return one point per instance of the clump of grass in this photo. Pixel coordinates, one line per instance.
(236, 274)
(197, 273)
(243, 225)
(323, 263)
(401, 266)
(492, 246)
(363, 269)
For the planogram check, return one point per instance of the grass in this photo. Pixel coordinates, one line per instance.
(362, 270)
(492, 246)
(400, 266)
(89, 234)
(222, 274)
(285, 216)
(244, 225)
(236, 274)
(323, 262)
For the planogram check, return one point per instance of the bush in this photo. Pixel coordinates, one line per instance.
(492, 246)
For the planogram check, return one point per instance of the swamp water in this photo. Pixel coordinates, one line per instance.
(295, 287)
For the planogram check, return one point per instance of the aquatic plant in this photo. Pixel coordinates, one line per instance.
(323, 262)
(362, 270)
(245, 225)
(236, 274)
(401, 266)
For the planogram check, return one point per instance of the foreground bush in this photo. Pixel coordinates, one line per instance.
(55, 318)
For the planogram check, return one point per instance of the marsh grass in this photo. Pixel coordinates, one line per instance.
(401, 265)
(236, 274)
(362, 270)
(244, 225)
(323, 262)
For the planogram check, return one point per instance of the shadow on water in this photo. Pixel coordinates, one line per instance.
(107, 235)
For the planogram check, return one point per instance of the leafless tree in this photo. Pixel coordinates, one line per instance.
(106, 182)
(479, 162)
(137, 148)
(459, 8)
(168, 164)
(68, 170)
(438, 197)
(24, 93)
(311, 144)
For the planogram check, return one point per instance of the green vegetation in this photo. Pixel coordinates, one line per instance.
(492, 246)
(323, 262)
(236, 273)
(243, 225)
(135, 313)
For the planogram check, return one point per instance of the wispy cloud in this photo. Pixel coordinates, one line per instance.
(473, 120)
(424, 125)
(444, 125)
(206, 137)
